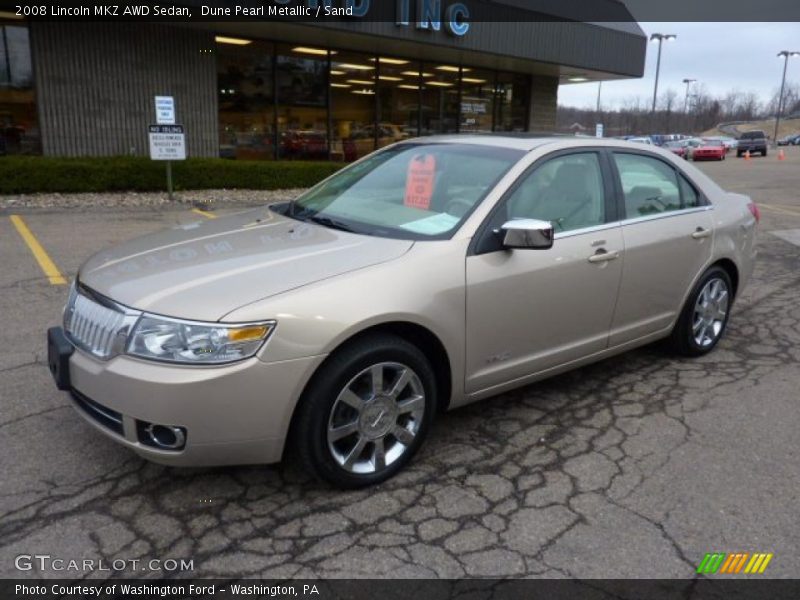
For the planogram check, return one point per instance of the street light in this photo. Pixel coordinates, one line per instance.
(688, 82)
(785, 54)
(660, 38)
(599, 89)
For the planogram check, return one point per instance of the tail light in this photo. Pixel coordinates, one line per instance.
(753, 208)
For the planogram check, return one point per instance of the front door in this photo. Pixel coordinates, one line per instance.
(531, 310)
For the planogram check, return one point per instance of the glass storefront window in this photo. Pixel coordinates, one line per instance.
(399, 90)
(511, 102)
(302, 97)
(19, 125)
(440, 91)
(315, 103)
(477, 101)
(246, 101)
(353, 90)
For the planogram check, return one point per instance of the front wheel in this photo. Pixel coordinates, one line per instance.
(704, 317)
(366, 412)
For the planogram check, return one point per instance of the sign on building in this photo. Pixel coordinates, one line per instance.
(167, 142)
(165, 110)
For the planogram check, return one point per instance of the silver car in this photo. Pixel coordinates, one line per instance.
(430, 274)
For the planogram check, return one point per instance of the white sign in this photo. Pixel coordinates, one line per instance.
(598, 130)
(165, 110)
(167, 142)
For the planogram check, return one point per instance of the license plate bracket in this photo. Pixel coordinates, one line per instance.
(59, 350)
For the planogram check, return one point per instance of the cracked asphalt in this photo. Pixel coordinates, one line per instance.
(633, 467)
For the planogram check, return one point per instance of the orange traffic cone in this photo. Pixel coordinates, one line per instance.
(781, 155)
(747, 154)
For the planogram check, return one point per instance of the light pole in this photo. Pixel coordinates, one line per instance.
(660, 38)
(785, 54)
(688, 82)
(599, 89)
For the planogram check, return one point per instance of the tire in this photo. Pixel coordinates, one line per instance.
(764, 152)
(339, 443)
(689, 338)
(739, 154)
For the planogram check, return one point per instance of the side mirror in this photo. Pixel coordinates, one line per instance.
(532, 234)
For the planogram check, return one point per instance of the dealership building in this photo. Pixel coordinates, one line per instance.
(270, 89)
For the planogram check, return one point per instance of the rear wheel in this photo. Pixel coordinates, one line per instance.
(366, 412)
(764, 152)
(704, 317)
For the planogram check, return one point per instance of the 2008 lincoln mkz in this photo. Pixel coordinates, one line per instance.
(429, 274)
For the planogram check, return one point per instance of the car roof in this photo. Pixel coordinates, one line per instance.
(525, 142)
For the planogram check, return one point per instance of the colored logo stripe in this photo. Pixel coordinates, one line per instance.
(722, 562)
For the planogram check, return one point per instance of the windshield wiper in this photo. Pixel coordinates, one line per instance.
(332, 223)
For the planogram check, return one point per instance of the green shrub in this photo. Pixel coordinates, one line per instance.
(37, 174)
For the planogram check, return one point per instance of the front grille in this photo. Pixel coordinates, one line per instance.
(111, 419)
(98, 328)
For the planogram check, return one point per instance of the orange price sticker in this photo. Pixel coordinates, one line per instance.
(419, 181)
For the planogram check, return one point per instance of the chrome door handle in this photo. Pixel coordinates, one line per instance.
(603, 256)
(701, 233)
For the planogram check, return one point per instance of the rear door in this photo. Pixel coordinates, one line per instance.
(668, 231)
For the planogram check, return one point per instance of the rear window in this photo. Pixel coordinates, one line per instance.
(753, 135)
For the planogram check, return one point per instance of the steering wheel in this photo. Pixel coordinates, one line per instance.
(458, 207)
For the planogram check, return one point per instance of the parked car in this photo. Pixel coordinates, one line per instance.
(678, 148)
(728, 143)
(641, 140)
(709, 150)
(431, 274)
(752, 141)
(789, 140)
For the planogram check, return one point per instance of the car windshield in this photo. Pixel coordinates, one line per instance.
(411, 191)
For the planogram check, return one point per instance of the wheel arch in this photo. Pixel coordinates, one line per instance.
(731, 269)
(422, 337)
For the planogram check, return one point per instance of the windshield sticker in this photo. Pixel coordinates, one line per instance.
(419, 181)
(432, 225)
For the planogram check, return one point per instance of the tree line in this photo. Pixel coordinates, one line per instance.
(675, 113)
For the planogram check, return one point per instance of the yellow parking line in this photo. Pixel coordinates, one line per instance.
(39, 253)
(204, 213)
(780, 209)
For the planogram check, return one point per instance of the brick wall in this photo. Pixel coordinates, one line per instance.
(95, 85)
(544, 100)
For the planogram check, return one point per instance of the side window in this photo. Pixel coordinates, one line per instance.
(650, 186)
(567, 191)
(689, 196)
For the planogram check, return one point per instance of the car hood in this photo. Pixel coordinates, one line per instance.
(205, 270)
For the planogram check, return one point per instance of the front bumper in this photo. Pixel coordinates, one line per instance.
(231, 414)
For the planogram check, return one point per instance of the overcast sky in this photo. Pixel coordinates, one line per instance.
(722, 56)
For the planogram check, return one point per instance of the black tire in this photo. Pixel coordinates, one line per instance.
(764, 152)
(682, 340)
(310, 425)
(739, 154)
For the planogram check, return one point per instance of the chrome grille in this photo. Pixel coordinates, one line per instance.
(97, 326)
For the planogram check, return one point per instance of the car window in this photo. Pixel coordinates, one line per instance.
(689, 196)
(567, 191)
(411, 191)
(650, 186)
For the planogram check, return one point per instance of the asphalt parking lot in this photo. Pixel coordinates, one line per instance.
(633, 467)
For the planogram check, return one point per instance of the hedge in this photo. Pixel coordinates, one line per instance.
(32, 174)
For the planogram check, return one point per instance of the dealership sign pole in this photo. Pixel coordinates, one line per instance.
(167, 139)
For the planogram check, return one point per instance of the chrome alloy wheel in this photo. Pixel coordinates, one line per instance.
(376, 417)
(710, 312)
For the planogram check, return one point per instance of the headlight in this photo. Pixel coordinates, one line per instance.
(160, 338)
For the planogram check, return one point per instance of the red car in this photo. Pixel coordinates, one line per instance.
(709, 151)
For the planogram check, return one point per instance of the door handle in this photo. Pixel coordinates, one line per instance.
(603, 255)
(701, 233)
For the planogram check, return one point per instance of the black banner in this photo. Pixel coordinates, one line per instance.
(439, 14)
(418, 589)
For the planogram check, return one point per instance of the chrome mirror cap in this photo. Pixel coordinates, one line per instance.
(528, 233)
